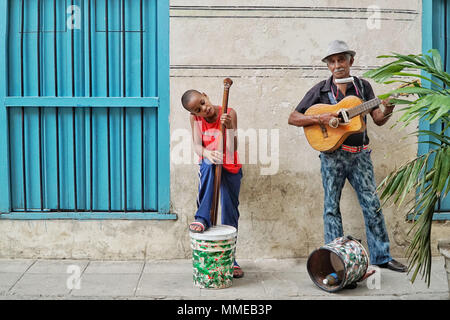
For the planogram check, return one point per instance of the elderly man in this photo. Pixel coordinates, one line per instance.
(352, 160)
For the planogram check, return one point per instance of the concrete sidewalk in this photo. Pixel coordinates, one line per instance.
(269, 279)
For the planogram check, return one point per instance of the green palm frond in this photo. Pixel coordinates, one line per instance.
(427, 176)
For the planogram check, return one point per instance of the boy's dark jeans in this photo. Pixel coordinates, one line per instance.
(229, 194)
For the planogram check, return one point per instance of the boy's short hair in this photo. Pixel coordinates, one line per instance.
(187, 97)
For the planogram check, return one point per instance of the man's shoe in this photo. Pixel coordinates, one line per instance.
(394, 265)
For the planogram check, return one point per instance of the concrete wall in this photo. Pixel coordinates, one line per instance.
(271, 50)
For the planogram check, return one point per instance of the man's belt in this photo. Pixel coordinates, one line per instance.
(354, 149)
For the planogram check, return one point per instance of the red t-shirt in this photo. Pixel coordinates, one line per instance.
(210, 132)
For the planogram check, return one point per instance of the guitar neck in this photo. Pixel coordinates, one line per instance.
(363, 107)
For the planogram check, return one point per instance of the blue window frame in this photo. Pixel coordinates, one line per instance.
(84, 109)
(435, 33)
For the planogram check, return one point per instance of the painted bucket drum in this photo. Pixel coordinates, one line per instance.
(344, 256)
(213, 253)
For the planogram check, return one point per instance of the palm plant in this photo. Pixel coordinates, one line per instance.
(427, 174)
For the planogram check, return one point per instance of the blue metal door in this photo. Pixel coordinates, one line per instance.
(435, 35)
(85, 107)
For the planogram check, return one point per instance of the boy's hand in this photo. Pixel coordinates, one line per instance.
(213, 156)
(225, 119)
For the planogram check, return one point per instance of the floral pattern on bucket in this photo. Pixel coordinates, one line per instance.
(213, 263)
(353, 255)
(344, 256)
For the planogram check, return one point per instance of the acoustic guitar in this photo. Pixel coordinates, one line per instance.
(330, 136)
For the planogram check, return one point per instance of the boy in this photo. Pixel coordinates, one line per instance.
(205, 119)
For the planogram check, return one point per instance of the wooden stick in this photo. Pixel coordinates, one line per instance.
(218, 171)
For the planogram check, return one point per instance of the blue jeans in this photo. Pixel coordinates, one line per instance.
(338, 166)
(230, 185)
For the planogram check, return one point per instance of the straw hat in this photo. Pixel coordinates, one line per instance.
(337, 46)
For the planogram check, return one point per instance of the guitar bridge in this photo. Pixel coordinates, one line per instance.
(324, 131)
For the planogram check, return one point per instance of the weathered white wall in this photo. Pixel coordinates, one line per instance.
(271, 50)
(273, 56)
